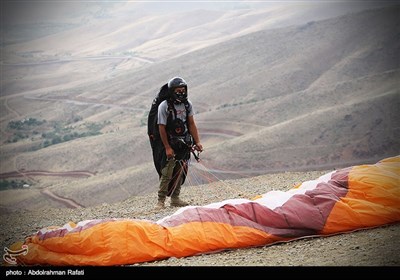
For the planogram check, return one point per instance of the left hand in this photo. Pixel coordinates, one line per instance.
(198, 147)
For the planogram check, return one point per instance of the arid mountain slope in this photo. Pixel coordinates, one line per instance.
(319, 95)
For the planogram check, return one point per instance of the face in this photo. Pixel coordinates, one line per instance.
(179, 94)
(180, 91)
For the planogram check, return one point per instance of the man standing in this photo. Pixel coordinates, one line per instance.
(179, 135)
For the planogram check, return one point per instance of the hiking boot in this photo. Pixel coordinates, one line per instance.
(160, 205)
(177, 202)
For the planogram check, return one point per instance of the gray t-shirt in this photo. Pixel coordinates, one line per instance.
(180, 112)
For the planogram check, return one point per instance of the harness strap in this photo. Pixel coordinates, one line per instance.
(172, 114)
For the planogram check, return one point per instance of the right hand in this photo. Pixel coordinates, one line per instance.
(170, 153)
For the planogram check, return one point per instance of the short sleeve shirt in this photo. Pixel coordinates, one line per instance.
(180, 112)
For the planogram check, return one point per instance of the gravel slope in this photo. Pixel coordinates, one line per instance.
(368, 247)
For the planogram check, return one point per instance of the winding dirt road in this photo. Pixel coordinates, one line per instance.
(28, 173)
(68, 202)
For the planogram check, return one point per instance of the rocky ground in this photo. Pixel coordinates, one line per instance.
(369, 247)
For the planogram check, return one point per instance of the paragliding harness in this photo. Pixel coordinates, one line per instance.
(179, 138)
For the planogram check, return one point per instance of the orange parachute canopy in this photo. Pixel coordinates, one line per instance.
(344, 200)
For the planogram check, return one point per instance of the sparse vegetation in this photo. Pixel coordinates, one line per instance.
(64, 134)
(52, 132)
(23, 124)
(23, 129)
(252, 100)
(12, 184)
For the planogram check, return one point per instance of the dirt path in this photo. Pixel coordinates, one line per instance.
(24, 173)
(70, 203)
(11, 109)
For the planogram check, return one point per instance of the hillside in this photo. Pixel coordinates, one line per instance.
(312, 96)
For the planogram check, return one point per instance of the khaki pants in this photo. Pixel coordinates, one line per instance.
(166, 177)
